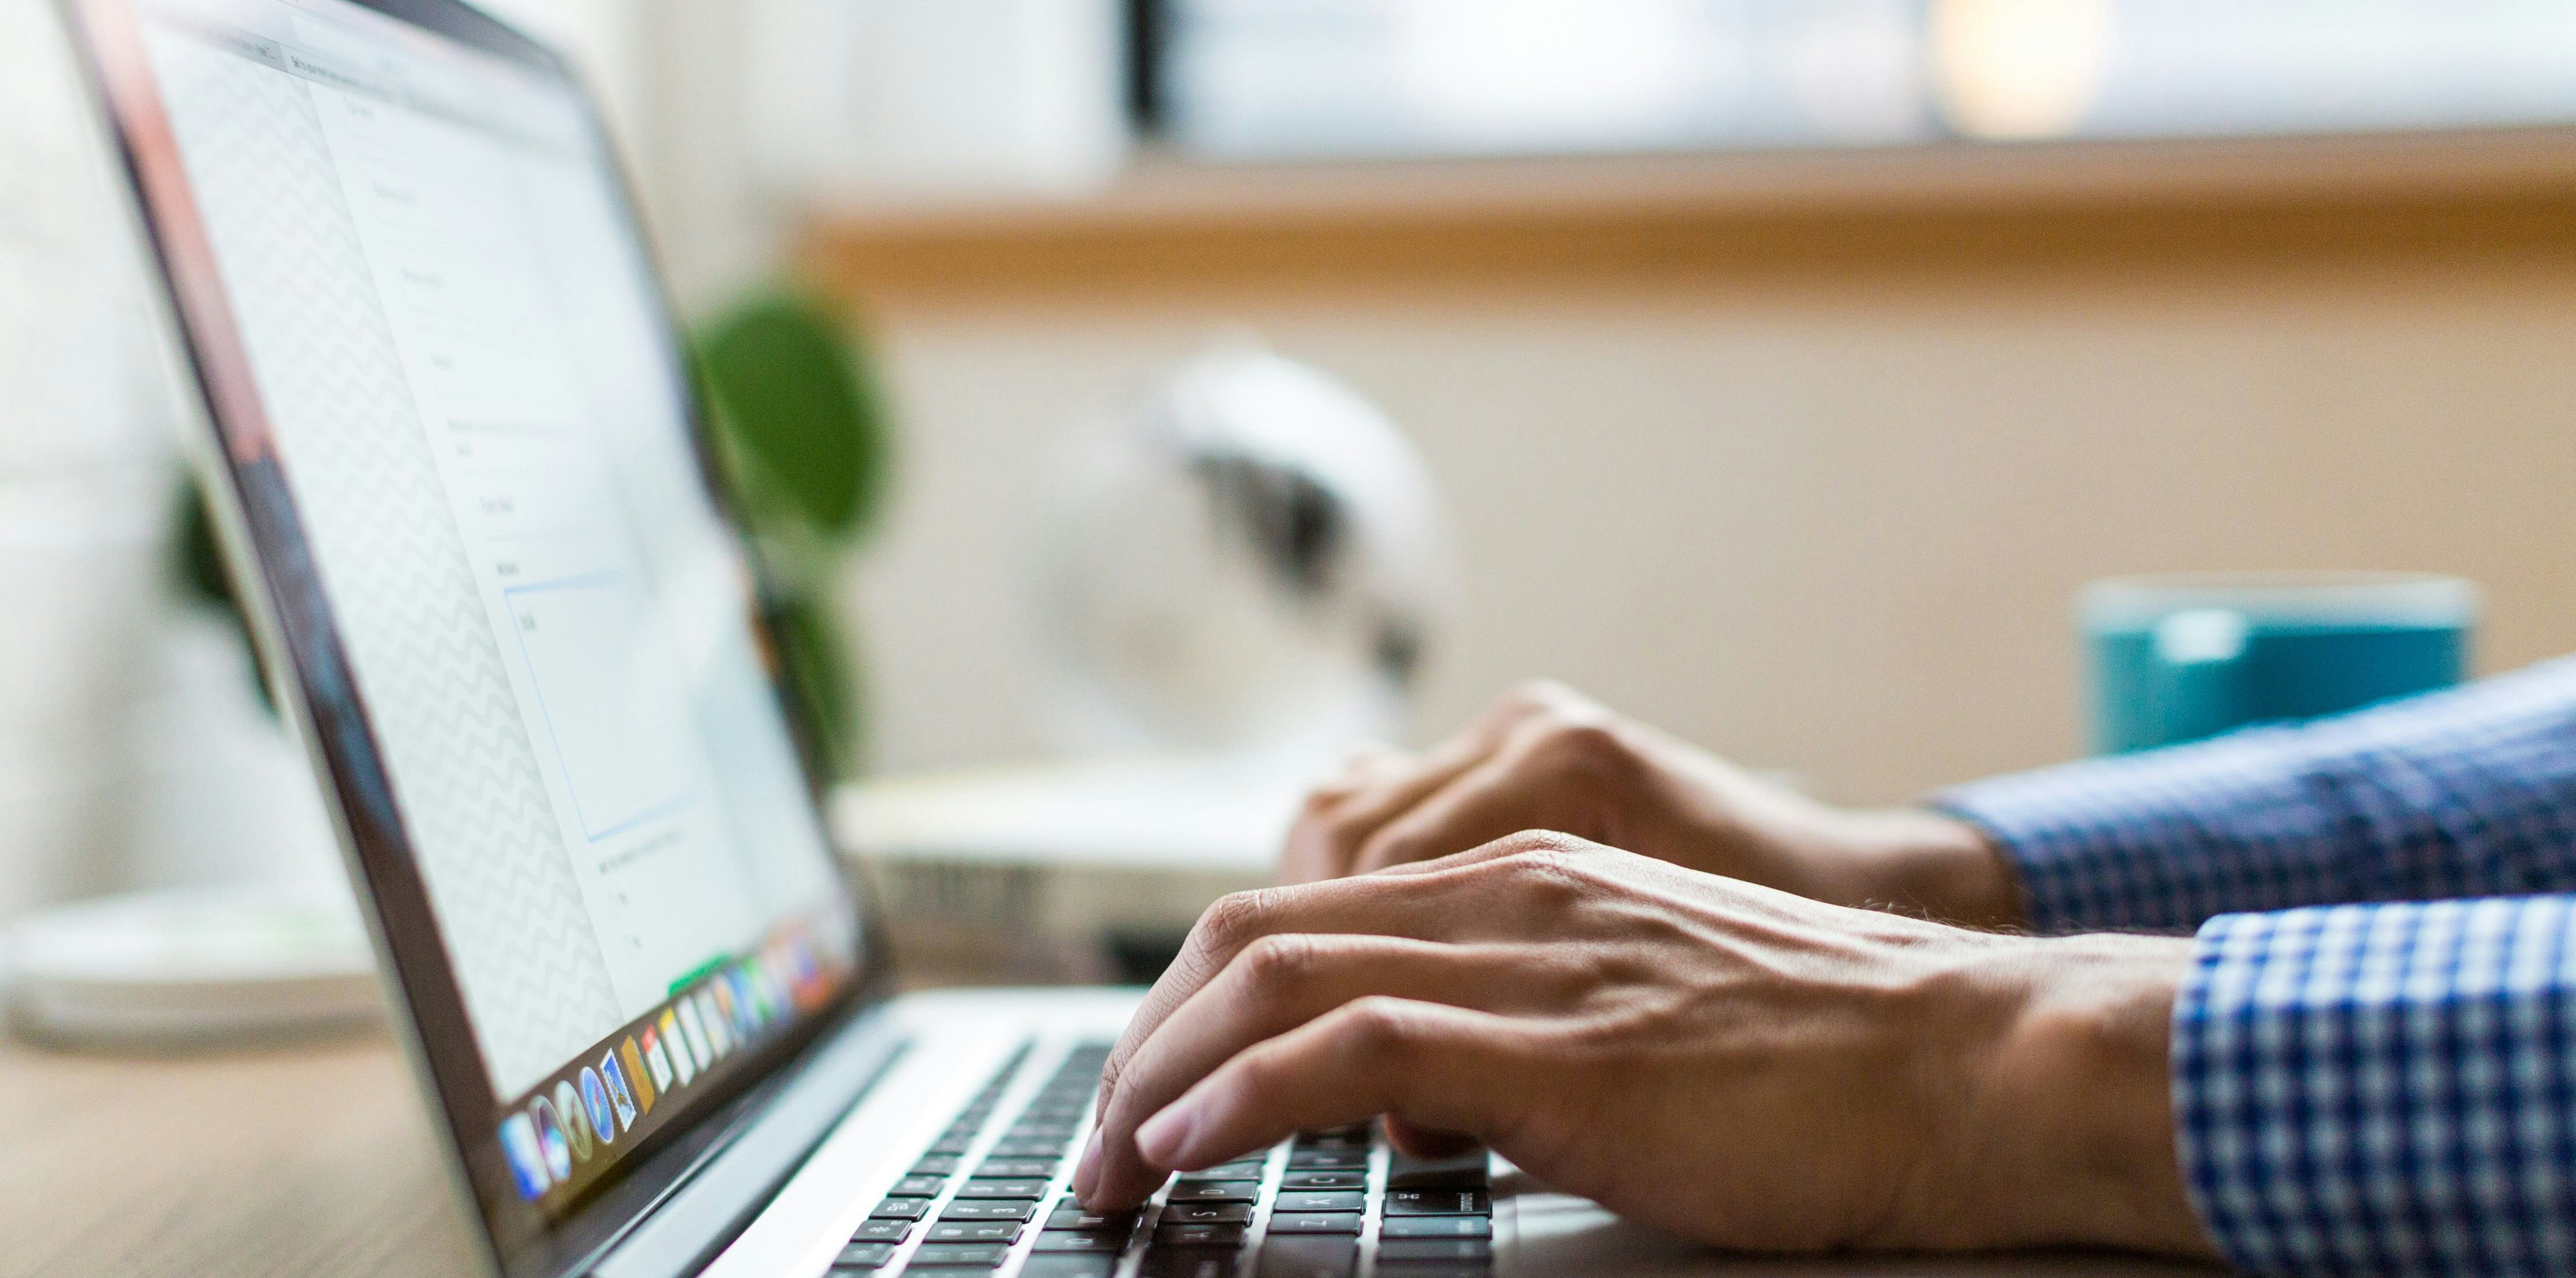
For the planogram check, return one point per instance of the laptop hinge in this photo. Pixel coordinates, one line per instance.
(716, 1204)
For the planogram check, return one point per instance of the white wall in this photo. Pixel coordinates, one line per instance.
(1830, 525)
(84, 483)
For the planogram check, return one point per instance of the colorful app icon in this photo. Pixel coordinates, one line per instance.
(619, 1094)
(655, 1063)
(759, 979)
(746, 1020)
(684, 1065)
(803, 974)
(694, 1033)
(782, 981)
(527, 1161)
(594, 1100)
(722, 988)
(719, 1030)
(637, 1074)
(551, 1140)
(576, 1120)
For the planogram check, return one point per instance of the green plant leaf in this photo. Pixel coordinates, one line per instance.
(801, 420)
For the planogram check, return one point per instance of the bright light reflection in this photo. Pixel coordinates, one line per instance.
(2020, 68)
(1517, 70)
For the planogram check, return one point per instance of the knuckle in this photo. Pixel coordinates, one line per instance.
(1533, 850)
(1380, 1027)
(1277, 962)
(1542, 694)
(1547, 868)
(1237, 917)
(1582, 746)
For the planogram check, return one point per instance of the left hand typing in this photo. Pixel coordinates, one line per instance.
(1733, 1064)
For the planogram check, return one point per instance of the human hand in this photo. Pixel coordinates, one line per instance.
(1733, 1064)
(1547, 758)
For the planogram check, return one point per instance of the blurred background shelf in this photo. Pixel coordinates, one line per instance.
(1174, 224)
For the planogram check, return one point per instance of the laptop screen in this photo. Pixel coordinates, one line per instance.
(462, 375)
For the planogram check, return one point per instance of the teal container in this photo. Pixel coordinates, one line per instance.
(2183, 658)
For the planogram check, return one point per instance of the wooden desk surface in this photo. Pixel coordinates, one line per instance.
(310, 1160)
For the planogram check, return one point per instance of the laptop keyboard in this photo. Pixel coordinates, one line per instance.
(1335, 1204)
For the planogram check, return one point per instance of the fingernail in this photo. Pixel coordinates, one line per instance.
(1162, 1137)
(1086, 1174)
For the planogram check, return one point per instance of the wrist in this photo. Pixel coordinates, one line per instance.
(2069, 1133)
(1937, 865)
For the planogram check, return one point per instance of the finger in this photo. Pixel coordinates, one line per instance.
(1447, 1068)
(1517, 843)
(1307, 856)
(1501, 796)
(1327, 836)
(1370, 766)
(1281, 982)
(1426, 1142)
(1338, 906)
(1456, 903)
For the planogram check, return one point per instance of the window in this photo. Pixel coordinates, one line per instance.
(1351, 79)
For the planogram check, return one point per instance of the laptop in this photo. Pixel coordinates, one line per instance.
(457, 463)
(456, 459)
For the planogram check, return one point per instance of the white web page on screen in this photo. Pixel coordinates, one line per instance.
(457, 342)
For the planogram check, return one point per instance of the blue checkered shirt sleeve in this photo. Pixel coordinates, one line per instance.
(2361, 1085)
(2463, 793)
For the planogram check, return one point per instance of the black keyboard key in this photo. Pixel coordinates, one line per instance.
(989, 1209)
(1031, 1190)
(953, 1146)
(1435, 1269)
(1333, 1140)
(926, 1269)
(1084, 1244)
(1041, 1168)
(1439, 1202)
(1216, 1191)
(1058, 1265)
(917, 1187)
(1436, 1227)
(1004, 1232)
(1070, 1215)
(1346, 1132)
(1309, 1256)
(901, 1209)
(883, 1231)
(1324, 1159)
(1239, 1169)
(1324, 1180)
(1017, 1147)
(1187, 1262)
(937, 1165)
(962, 1254)
(1434, 1249)
(1198, 1235)
(866, 1255)
(1209, 1213)
(1309, 1200)
(1315, 1222)
(1057, 1129)
(1465, 1172)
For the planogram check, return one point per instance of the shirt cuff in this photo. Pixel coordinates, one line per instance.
(2383, 1089)
(2162, 841)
